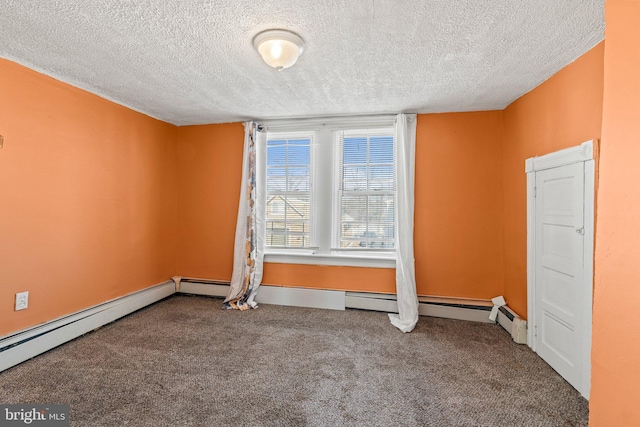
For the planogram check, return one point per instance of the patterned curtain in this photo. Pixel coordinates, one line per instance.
(249, 243)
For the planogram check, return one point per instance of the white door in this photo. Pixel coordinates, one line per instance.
(562, 295)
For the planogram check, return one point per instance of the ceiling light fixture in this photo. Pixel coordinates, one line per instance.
(279, 48)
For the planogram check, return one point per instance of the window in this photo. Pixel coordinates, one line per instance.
(288, 191)
(331, 189)
(366, 195)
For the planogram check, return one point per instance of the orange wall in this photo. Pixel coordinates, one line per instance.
(357, 279)
(88, 198)
(564, 111)
(209, 166)
(458, 211)
(615, 358)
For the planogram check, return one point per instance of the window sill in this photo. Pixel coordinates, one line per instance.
(374, 261)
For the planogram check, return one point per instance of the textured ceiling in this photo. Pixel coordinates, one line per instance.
(193, 62)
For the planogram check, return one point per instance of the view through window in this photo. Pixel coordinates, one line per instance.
(367, 193)
(288, 193)
(331, 190)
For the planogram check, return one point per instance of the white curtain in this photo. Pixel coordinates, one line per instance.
(405, 136)
(249, 244)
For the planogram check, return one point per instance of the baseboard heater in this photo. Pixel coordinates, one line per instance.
(24, 345)
(475, 310)
(512, 323)
(451, 308)
(276, 295)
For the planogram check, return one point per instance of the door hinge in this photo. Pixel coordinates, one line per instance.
(535, 191)
(535, 330)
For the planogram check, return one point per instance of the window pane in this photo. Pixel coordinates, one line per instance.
(381, 149)
(367, 219)
(288, 192)
(354, 173)
(296, 241)
(277, 155)
(298, 208)
(275, 207)
(298, 179)
(381, 209)
(275, 226)
(360, 185)
(297, 227)
(354, 208)
(299, 155)
(276, 179)
(381, 177)
(355, 150)
(275, 240)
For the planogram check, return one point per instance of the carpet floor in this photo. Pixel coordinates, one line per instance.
(185, 362)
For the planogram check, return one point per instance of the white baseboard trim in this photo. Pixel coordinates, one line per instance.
(24, 345)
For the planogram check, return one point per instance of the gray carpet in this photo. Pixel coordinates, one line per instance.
(185, 362)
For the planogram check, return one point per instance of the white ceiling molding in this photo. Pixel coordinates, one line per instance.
(193, 62)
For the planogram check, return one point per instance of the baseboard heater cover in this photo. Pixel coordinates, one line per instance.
(19, 347)
(212, 288)
(474, 310)
(450, 308)
(276, 295)
(513, 324)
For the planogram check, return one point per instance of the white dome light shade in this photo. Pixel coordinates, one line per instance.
(279, 48)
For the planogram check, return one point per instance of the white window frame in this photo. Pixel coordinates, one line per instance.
(322, 223)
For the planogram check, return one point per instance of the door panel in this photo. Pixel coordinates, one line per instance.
(559, 268)
(558, 291)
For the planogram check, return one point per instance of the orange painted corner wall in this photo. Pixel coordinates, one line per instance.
(209, 165)
(458, 212)
(615, 357)
(458, 205)
(88, 198)
(564, 111)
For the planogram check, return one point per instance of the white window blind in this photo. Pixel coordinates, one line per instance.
(366, 193)
(289, 195)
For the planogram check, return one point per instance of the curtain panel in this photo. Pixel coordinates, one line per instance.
(249, 241)
(405, 135)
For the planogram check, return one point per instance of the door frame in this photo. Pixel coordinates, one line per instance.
(584, 153)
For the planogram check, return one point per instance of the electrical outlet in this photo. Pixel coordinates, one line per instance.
(22, 300)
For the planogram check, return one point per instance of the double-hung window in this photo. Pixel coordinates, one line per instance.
(288, 210)
(365, 195)
(331, 192)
